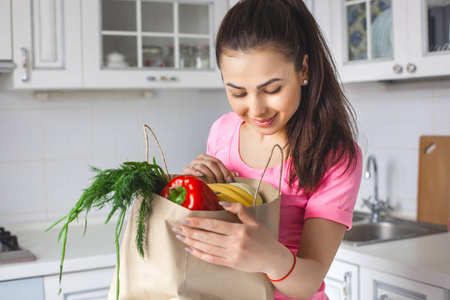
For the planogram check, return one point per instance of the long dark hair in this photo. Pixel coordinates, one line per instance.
(322, 132)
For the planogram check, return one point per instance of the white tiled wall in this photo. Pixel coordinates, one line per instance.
(391, 118)
(46, 146)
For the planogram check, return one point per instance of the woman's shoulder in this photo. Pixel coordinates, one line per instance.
(227, 121)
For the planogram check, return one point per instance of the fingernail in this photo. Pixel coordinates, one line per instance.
(225, 203)
(177, 230)
(236, 174)
(185, 223)
(230, 179)
(189, 249)
(199, 173)
(180, 237)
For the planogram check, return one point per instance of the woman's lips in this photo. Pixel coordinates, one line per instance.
(264, 123)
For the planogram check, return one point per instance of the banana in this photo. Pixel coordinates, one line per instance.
(251, 191)
(233, 193)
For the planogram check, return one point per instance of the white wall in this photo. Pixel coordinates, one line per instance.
(392, 117)
(46, 146)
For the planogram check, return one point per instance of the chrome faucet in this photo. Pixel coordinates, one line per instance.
(376, 205)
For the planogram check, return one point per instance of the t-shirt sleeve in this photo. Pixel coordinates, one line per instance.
(336, 196)
(213, 136)
(220, 135)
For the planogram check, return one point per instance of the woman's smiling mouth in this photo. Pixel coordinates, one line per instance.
(264, 123)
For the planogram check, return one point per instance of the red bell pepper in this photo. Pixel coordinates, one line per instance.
(192, 193)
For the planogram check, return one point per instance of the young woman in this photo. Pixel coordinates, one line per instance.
(282, 88)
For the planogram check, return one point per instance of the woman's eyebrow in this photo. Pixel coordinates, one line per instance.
(258, 87)
(267, 83)
(235, 86)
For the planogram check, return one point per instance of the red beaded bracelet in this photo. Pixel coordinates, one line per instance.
(289, 273)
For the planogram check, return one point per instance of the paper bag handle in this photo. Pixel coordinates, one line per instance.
(159, 147)
(264, 172)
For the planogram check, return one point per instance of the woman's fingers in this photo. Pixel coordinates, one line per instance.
(209, 167)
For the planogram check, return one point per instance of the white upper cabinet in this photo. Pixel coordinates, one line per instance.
(113, 44)
(377, 40)
(151, 44)
(5, 30)
(46, 44)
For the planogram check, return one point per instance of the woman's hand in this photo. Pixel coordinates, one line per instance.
(211, 168)
(247, 247)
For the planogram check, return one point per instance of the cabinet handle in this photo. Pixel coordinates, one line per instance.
(398, 69)
(347, 289)
(411, 68)
(162, 78)
(24, 66)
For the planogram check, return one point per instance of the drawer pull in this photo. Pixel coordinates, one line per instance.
(162, 78)
(398, 69)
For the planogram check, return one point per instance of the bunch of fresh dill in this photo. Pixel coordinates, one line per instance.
(117, 188)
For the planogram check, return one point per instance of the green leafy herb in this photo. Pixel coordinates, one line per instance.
(117, 188)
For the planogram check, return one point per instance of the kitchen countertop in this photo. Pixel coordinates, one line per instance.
(93, 251)
(425, 259)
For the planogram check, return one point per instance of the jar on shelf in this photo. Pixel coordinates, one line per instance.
(153, 56)
(170, 58)
(200, 57)
(185, 56)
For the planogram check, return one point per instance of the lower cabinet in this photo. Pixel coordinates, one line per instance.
(341, 282)
(87, 285)
(382, 286)
(22, 289)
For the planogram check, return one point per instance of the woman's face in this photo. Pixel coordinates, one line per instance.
(263, 88)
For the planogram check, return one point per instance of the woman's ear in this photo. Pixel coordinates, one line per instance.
(304, 73)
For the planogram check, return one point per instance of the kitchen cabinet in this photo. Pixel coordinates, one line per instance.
(341, 282)
(382, 286)
(5, 30)
(93, 284)
(378, 40)
(22, 289)
(46, 45)
(151, 44)
(114, 44)
(320, 9)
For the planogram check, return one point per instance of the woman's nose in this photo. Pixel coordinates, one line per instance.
(257, 106)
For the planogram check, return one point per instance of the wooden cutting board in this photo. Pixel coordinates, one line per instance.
(433, 198)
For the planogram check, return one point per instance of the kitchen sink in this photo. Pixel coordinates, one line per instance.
(364, 231)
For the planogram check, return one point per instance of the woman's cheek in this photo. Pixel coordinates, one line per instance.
(239, 109)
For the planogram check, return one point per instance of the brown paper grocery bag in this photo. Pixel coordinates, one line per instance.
(168, 271)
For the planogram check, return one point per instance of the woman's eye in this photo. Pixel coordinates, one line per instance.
(274, 91)
(238, 95)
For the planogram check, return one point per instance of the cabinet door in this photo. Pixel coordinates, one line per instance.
(46, 44)
(5, 30)
(429, 38)
(321, 10)
(341, 282)
(151, 44)
(382, 286)
(22, 289)
(370, 39)
(79, 285)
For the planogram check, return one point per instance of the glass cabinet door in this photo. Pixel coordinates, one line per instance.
(438, 13)
(157, 34)
(369, 34)
(428, 42)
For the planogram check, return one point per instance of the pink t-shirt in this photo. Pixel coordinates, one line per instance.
(334, 200)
